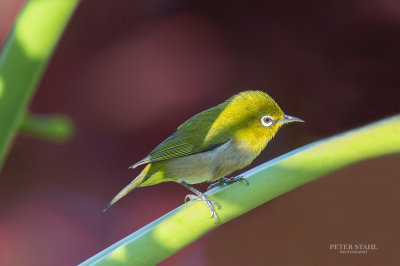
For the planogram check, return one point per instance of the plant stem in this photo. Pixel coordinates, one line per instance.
(175, 230)
(51, 127)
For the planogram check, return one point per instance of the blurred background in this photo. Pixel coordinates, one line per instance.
(129, 72)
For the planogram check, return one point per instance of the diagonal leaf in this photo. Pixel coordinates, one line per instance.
(177, 229)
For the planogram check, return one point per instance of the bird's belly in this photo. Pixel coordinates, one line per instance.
(192, 169)
(209, 166)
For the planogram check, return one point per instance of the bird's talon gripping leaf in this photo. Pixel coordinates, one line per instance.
(188, 197)
(220, 182)
(209, 203)
(228, 181)
(239, 179)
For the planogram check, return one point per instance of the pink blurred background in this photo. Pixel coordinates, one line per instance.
(129, 72)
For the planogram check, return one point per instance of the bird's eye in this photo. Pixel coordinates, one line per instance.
(266, 120)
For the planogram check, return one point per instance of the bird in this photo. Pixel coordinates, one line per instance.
(211, 145)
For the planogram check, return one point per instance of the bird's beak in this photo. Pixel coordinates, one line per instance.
(288, 119)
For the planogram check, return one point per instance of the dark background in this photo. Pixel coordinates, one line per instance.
(129, 72)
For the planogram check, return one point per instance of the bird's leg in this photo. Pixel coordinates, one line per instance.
(227, 181)
(200, 196)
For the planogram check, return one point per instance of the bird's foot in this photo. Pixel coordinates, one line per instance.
(209, 203)
(227, 181)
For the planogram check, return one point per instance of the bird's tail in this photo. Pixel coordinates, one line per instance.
(135, 183)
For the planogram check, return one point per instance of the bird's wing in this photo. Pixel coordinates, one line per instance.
(200, 133)
(177, 146)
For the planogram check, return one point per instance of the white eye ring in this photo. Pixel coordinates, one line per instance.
(266, 120)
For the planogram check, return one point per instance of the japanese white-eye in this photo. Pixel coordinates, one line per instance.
(212, 145)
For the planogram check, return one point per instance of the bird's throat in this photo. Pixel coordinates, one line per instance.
(252, 142)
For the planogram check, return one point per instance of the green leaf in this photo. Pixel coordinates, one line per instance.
(24, 58)
(177, 229)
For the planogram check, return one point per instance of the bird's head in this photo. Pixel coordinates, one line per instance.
(257, 118)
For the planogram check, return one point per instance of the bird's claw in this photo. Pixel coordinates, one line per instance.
(227, 181)
(240, 179)
(209, 203)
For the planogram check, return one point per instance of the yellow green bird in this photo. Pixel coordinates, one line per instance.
(213, 144)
